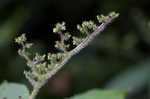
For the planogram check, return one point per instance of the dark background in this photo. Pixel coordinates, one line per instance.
(119, 58)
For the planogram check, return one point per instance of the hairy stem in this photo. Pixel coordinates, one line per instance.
(26, 56)
(35, 90)
(76, 50)
(62, 40)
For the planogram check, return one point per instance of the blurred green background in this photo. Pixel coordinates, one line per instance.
(119, 58)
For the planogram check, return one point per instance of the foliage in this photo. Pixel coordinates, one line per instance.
(120, 55)
(101, 94)
(13, 91)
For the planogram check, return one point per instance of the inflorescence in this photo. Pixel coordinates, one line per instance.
(43, 67)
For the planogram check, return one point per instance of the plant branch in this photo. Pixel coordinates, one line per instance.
(62, 40)
(88, 39)
(26, 56)
(42, 71)
(69, 55)
(35, 90)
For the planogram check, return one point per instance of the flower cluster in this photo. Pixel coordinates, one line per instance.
(43, 67)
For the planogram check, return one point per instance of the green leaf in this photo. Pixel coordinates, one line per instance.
(135, 77)
(13, 91)
(101, 94)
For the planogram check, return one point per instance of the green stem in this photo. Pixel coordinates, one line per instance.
(58, 66)
(47, 76)
(36, 89)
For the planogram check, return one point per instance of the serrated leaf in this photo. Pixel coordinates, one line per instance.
(13, 91)
(101, 94)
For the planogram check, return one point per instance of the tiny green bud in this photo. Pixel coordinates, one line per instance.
(114, 15)
(29, 75)
(42, 68)
(94, 27)
(80, 29)
(60, 55)
(89, 25)
(105, 18)
(41, 65)
(100, 19)
(49, 56)
(21, 39)
(28, 45)
(59, 27)
(29, 64)
(39, 58)
(20, 52)
(67, 36)
(59, 45)
(67, 46)
(77, 41)
(84, 24)
(53, 58)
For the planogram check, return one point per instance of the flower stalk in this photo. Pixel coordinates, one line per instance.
(41, 70)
